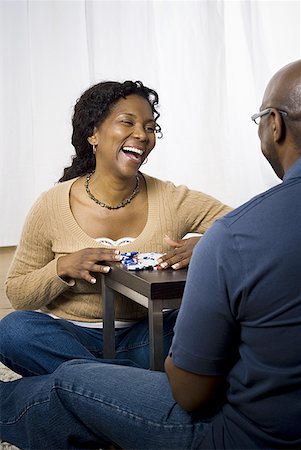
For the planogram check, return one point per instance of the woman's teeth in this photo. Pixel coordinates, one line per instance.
(133, 150)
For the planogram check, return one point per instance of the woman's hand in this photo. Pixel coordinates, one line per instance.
(79, 264)
(181, 255)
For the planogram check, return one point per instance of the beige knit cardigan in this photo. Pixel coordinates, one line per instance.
(51, 231)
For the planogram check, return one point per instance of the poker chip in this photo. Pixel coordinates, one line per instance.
(140, 261)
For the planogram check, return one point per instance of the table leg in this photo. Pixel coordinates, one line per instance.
(108, 310)
(155, 321)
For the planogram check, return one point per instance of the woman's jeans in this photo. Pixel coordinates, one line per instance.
(33, 343)
(89, 404)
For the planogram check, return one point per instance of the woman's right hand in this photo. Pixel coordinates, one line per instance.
(78, 265)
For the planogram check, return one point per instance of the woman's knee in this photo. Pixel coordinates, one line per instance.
(15, 330)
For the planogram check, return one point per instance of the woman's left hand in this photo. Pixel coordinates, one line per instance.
(179, 257)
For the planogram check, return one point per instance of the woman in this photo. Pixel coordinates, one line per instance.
(66, 241)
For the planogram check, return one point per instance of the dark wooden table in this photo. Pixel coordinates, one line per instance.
(154, 289)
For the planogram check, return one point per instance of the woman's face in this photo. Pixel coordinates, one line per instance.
(126, 137)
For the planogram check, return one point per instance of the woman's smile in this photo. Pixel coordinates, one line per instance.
(133, 154)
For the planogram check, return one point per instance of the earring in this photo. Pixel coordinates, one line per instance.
(94, 149)
(145, 161)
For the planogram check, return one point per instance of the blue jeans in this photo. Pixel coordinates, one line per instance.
(88, 404)
(33, 343)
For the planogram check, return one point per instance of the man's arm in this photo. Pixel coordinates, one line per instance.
(206, 336)
(189, 389)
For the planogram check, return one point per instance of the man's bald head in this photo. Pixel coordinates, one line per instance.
(284, 90)
(280, 135)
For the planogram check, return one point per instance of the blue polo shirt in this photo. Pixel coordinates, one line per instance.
(241, 316)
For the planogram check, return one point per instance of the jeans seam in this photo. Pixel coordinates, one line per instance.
(24, 410)
(122, 411)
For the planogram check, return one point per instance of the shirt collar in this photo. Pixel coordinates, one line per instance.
(294, 171)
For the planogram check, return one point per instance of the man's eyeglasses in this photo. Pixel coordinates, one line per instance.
(256, 117)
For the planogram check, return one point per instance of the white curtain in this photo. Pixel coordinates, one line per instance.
(208, 60)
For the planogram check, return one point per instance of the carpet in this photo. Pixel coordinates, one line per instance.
(7, 375)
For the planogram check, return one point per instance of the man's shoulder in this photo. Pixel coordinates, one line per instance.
(261, 203)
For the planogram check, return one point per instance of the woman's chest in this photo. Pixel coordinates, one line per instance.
(114, 224)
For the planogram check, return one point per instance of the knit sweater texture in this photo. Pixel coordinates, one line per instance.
(51, 231)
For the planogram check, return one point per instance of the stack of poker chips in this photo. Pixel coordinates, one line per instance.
(140, 261)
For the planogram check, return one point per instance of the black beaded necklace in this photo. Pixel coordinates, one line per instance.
(124, 202)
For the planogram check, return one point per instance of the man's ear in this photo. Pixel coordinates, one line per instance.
(278, 127)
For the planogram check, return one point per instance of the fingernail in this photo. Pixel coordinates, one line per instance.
(117, 252)
(106, 269)
(175, 266)
(163, 265)
(118, 257)
(93, 280)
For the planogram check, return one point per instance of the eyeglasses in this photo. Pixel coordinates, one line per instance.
(256, 117)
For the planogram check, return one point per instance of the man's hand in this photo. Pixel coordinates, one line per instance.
(179, 257)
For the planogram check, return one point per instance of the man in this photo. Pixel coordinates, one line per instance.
(235, 364)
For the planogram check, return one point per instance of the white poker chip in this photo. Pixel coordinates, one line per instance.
(140, 261)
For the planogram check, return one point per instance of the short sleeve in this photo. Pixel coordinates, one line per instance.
(205, 340)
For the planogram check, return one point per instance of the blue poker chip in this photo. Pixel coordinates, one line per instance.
(129, 254)
(140, 261)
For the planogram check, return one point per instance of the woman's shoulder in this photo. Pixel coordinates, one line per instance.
(59, 188)
(180, 192)
(157, 181)
(53, 195)
(165, 185)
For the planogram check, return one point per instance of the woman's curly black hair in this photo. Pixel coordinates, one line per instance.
(90, 110)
